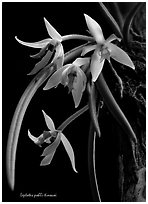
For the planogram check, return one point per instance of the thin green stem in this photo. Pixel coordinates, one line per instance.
(72, 118)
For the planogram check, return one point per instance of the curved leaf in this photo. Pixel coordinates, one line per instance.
(69, 150)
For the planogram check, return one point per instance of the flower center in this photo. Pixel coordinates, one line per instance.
(105, 53)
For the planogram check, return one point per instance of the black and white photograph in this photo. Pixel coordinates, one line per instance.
(73, 101)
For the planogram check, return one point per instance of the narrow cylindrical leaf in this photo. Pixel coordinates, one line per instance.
(114, 108)
(69, 150)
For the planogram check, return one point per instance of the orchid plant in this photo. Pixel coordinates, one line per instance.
(79, 73)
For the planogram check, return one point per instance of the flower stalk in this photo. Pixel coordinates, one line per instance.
(91, 163)
(72, 118)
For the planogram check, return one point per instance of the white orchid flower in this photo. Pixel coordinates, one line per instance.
(55, 40)
(57, 136)
(71, 75)
(104, 49)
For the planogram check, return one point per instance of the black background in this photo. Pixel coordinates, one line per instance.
(25, 20)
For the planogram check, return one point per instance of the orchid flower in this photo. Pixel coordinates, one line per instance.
(53, 137)
(71, 75)
(104, 49)
(55, 40)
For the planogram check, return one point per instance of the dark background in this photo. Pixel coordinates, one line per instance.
(25, 20)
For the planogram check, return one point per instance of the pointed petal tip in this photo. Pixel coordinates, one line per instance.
(75, 171)
(49, 122)
(43, 111)
(133, 66)
(52, 31)
(95, 29)
(34, 139)
(45, 88)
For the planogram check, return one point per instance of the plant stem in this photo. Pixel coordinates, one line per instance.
(72, 117)
(77, 37)
(91, 164)
(92, 107)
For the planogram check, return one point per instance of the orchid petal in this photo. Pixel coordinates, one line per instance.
(69, 150)
(34, 139)
(52, 147)
(112, 38)
(49, 122)
(94, 29)
(78, 87)
(55, 79)
(59, 56)
(47, 160)
(40, 53)
(52, 31)
(81, 61)
(39, 44)
(41, 64)
(87, 49)
(120, 56)
(96, 66)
